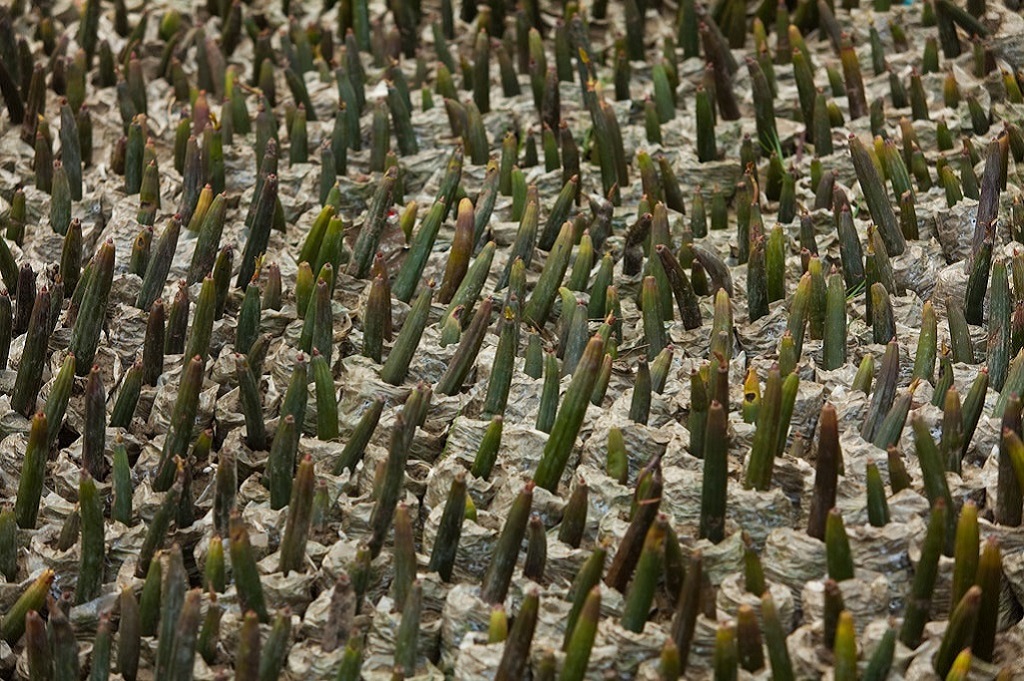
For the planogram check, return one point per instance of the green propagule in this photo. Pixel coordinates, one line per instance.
(355, 343)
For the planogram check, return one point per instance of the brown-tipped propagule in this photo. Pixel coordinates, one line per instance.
(361, 340)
